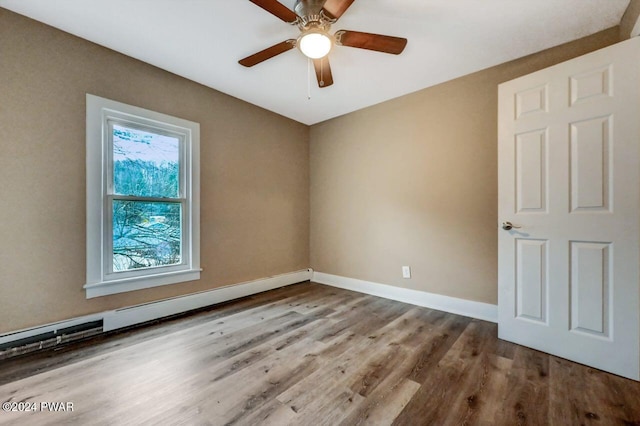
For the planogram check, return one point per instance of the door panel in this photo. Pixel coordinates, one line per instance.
(590, 156)
(590, 286)
(531, 171)
(591, 84)
(531, 101)
(568, 176)
(532, 277)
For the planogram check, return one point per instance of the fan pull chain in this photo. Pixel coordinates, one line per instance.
(308, 78)
(321, 72)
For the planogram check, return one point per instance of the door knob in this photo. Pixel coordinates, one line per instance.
(508, 226)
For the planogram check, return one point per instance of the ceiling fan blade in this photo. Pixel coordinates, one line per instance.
(335, 8)
(377, 42)
(268, 53)
(323, 72)
(276, 8)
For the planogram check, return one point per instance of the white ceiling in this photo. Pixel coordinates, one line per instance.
(203, 40)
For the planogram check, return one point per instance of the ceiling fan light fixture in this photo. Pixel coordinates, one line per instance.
(315, 43)
(314, 19)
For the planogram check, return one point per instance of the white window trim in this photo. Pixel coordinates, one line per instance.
(99, 281)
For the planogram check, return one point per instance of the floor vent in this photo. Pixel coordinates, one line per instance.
(50, 339)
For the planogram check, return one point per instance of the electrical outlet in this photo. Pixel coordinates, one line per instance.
(406, 272)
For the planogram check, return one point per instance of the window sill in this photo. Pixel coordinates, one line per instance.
(106, 288)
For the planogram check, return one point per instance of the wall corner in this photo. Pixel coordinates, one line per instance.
(630, 22)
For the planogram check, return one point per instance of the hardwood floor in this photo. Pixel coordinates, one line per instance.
(313, 355)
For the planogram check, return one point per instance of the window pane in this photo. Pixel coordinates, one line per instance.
(144, 163)
(146, 234)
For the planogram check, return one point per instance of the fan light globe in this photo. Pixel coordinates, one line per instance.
(315, 45)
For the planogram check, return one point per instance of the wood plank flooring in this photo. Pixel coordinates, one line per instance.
(309, 354)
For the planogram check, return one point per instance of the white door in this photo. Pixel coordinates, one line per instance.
(568, 166)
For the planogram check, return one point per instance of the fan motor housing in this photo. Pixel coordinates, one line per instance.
(308, 7)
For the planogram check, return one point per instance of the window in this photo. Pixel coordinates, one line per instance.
(142, 198)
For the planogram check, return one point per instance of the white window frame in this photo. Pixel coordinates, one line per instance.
(101, 115)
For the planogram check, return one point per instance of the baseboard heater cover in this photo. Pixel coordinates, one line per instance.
(47, 336)
(50, 339)
(126, 317)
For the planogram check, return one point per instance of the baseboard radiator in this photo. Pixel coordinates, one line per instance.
(50, 339)
(72, 330)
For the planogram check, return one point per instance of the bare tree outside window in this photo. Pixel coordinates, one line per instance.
(147, 212)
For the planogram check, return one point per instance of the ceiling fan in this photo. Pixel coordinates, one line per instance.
(314, 19)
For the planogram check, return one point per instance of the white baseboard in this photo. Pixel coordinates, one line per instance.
(132, 315)
(125, 317)
(468, 308)
(141, 313)
(48, 328)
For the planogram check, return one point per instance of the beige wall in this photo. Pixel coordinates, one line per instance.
(413, 181)
(408, 182)
(629, 20)
(255, 177)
